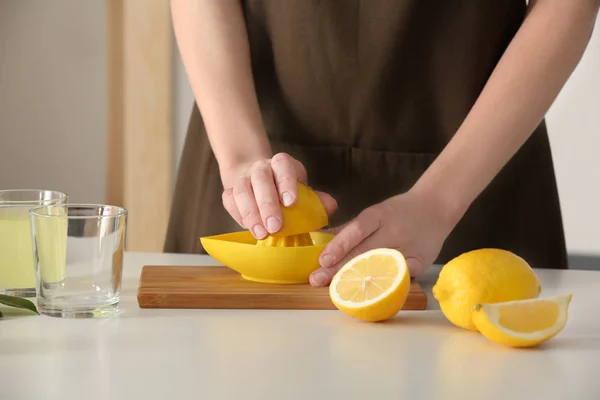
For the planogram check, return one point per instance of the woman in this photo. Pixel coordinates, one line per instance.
(423, 120)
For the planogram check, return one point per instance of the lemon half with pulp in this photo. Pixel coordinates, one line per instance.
(372, 286)
(307, 215)
(287, 257)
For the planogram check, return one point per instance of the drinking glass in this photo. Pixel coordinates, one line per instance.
(17, 272)
(78, 251)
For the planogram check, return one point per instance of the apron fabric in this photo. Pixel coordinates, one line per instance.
(366, 94)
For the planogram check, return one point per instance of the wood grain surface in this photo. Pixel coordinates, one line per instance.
(222, 288)
(139, 149)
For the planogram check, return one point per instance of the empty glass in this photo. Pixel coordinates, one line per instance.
(78, 251)
(17, 272)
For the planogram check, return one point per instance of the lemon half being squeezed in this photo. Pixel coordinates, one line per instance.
(287, 257)
(307, 215)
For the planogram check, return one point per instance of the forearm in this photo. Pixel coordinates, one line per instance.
(213, 43)
(527, 79)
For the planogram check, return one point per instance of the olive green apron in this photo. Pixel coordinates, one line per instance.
(366, 94)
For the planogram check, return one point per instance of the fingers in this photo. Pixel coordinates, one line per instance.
(231, 206)
(328, 201)
(254, 201)
(323, 275)
(287, 172)
(248, 209)
(415, 266)
(334, 230)
(267, 198)
(355, 232)
(301, 173)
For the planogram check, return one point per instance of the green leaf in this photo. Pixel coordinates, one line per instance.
(17, 302)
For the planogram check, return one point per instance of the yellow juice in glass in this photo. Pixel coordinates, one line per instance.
(18, 263)
(51, 245)
(17, 269)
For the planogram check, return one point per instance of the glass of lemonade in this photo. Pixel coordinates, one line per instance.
(78, 254)
(17, 272)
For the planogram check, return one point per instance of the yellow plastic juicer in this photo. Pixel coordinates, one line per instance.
(286, 257)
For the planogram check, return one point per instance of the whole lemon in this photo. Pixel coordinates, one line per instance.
(483, 276)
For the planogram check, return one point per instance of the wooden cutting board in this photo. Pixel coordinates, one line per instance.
(223, 288)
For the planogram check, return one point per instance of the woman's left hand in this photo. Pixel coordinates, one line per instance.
(411, 223)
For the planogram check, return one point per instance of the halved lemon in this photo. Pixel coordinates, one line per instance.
(372, 286)
(522, 323)
(307, 215)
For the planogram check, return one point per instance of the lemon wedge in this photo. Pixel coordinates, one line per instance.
(372, 286)
(522, 323)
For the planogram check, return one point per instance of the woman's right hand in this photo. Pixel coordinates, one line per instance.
(254, 191)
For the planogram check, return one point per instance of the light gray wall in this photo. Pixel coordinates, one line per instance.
(574, 128)
(52, 96)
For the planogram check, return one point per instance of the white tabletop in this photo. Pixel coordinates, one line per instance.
(239, 354)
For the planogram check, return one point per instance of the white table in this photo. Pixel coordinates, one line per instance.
(236, 354)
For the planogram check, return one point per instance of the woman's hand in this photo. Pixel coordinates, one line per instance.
(254, 191)
(410, 223)
(523, 85)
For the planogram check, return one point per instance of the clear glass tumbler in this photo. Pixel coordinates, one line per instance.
(78, 251)
(17, 272)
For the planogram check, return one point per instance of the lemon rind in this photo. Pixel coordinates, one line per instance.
(491, 312)
(403, 274)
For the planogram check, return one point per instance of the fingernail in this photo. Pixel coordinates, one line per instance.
(287, 199)
(273, 224)
(259, 231)
(318, 279)
(327, 261)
